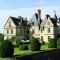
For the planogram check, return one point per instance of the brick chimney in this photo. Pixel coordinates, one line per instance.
(21, 20)
(19, 17)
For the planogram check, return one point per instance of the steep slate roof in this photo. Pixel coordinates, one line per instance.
(36, 15)
(54, 21)
(35, 19)
(15, 20)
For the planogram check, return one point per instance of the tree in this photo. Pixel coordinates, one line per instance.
(1, 37)
(6, 49)
(52, 43)
(58, 42)
(35, 44)
(24, 47)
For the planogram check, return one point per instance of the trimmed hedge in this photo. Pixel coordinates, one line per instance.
(6, 49)
(23, 47)
(58, 42)
(52, 43)
(35, 44)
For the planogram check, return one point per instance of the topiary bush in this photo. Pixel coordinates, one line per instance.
(18, 43)
(52, 43)
(35, 44)
(58, 42)
(6, 49)
(23, 47)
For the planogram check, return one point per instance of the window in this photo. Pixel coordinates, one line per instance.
(9, 23)
(7, 37)
(33, 32)
(48, 30)
(11, 31)
(41, 38)
(41, 30)
(32, 23)
(49, 37)
(7, 31)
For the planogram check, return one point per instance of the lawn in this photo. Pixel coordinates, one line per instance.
(3, 58)
(19, 52)
(44, 47)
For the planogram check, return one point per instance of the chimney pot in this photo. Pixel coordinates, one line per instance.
(19, 17)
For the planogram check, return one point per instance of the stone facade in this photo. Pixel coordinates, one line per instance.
(14, 27)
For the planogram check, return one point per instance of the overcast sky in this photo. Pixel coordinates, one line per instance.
(26, 8)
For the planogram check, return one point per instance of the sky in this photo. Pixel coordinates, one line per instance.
(26, 8)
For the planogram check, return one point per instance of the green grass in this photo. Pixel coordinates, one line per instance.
(17, 51)
(44, 47)
(3, 58)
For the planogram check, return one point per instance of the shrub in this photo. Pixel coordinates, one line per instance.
(1, 37)
(35, 44)
(58, 42)
(6, 49)
(18, 43)
(43, 43)
(52, 43)
(23, 47)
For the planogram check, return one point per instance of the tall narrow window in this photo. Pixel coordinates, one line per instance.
(41, 30)
(33, 32)
(48, 30)
(11, 31)
(41, 38)
(48, 37)
(9, 23)
(7, 31)
(32, 23)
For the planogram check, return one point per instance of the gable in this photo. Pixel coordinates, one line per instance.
(49, 22)
(9, 22)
